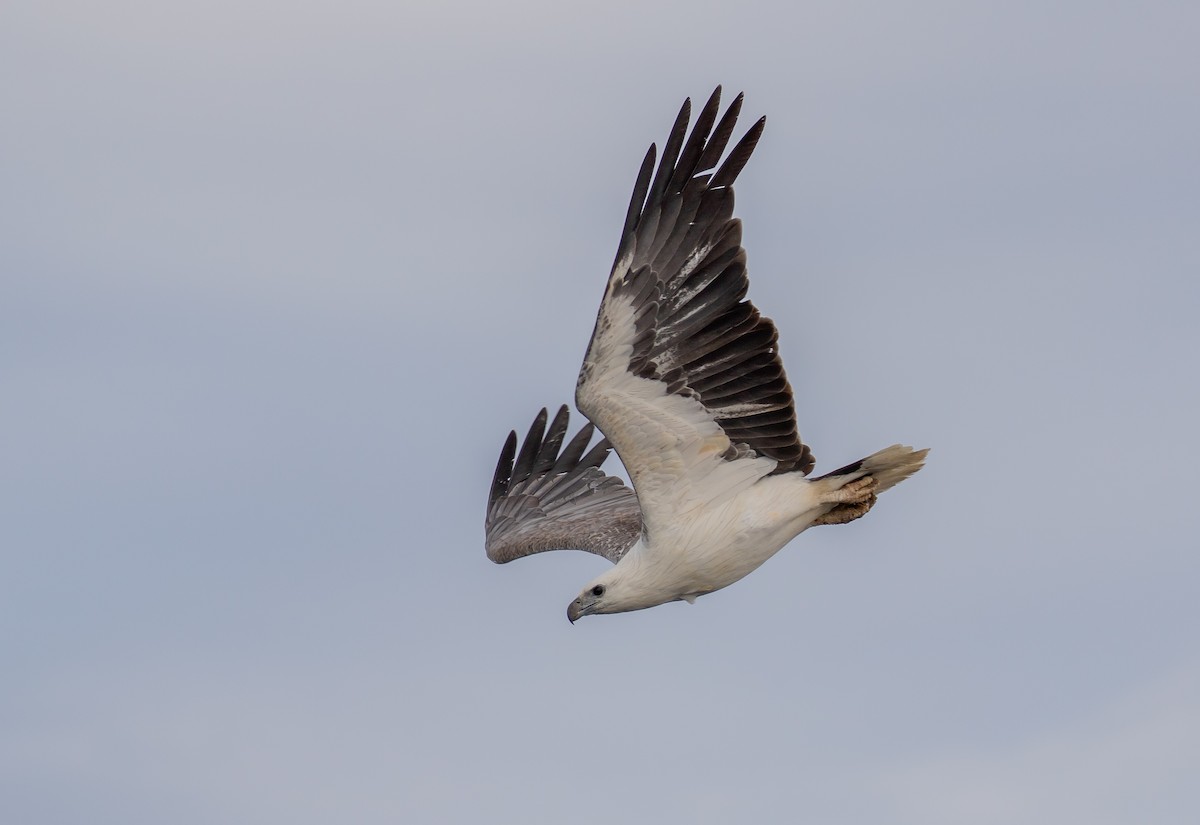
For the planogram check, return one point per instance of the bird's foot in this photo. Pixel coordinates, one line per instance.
(852, 501)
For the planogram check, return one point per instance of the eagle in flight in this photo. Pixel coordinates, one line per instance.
(683, 379)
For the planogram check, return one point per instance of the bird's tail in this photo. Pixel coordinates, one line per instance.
(888, 467)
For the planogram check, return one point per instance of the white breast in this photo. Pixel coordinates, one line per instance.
(725, 542)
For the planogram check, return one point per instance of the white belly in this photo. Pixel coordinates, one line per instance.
(721, 544)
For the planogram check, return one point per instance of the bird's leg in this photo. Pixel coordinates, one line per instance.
(851, 502)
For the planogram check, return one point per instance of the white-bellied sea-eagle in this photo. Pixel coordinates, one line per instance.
(683, 379)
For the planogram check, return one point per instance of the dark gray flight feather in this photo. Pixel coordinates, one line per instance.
(697, 333)
(550, 500)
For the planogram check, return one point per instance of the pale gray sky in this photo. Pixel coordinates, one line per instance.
(277, 278)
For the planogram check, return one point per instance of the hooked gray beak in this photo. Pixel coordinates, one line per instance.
(574, 611)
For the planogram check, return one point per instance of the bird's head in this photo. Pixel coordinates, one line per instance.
(591, 600)
(625, 587)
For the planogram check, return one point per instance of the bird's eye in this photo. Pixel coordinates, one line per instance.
(598, 590)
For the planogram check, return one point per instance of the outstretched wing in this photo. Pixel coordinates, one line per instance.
(682, 375)
(549, 501)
